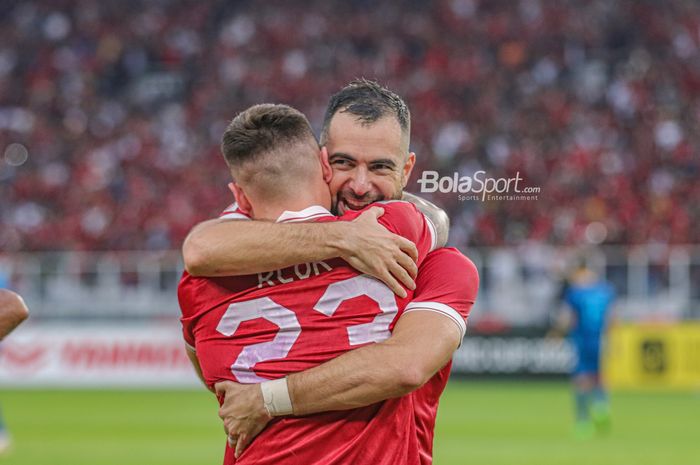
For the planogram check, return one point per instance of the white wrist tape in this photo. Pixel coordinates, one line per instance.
(276, 397)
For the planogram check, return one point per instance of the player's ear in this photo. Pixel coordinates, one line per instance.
(241, 199)
(325, 165)
(408, 168)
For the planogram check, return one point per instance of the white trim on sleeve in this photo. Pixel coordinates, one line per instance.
(190, 347)
(443, 309)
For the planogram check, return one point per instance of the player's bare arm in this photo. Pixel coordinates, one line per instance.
(435, 214)
(422, 342)
(231, 248)
(13, 311)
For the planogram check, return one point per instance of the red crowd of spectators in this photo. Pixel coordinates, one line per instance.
(111, 112)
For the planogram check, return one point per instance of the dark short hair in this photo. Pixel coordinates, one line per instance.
(369, 101)
(262, 129)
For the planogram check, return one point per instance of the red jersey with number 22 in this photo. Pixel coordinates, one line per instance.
(254, 328)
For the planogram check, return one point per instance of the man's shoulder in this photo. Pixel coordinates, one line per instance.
(195, 293)
(452, 258)
(448, 270)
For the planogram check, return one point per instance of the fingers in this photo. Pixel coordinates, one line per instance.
(220, 388)
(373, 212)
(402, 275)
(390, 272)
(407, 264)
(408, 247)
(232, 442)
(392, 283)
(241, 444)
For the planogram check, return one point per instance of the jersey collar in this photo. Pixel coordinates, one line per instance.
(310, 213)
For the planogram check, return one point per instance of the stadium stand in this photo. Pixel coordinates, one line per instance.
(110, 116)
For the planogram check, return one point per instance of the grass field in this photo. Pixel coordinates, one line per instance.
(479, 423)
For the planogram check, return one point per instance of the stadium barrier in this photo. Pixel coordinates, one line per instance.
(90, 356)
(519, 285)
(99, 355)
(514, 354)
(153, 355)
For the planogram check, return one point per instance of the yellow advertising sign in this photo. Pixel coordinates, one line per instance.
(656, 356)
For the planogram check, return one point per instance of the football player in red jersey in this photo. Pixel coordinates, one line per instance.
(260, 327)
(366, 136)
(358, 377)
(447, 283)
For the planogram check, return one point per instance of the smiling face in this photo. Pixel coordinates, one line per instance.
(370, 162)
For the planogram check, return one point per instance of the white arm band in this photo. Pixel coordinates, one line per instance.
(276, 397)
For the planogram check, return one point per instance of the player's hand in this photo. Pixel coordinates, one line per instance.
(243, 413)
(372, 249)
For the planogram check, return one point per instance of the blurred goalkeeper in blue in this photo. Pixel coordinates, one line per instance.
(589, 299)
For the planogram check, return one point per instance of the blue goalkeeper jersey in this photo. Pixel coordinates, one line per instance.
(590, 303)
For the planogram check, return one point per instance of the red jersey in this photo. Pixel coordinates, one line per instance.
(253, 328)
(447, 283)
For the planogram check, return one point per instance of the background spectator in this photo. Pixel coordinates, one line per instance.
(111, 112)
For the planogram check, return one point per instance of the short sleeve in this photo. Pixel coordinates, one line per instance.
(185, 298)
(447, 283)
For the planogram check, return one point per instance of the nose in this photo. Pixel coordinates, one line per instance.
(360, 183)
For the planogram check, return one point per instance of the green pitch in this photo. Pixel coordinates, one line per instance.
(479, 423)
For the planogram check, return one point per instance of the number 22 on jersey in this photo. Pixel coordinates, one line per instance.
(289, 328)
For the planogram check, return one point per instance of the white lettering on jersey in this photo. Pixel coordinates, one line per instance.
(272, 278)
(325, 265)
(282, 279)
(306, 273)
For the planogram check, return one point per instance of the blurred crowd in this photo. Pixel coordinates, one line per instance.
(111, 112)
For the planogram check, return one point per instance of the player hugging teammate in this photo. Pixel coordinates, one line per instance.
(346, 365)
